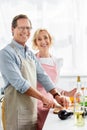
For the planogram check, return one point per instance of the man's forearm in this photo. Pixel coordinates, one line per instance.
(34, 93)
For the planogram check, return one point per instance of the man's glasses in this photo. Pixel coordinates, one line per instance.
(23, 28)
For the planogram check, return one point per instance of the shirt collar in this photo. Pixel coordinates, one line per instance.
(19, 46)
(22, 49)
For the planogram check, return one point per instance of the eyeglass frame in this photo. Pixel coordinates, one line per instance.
(23, 28)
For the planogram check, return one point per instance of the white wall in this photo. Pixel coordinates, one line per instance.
(69, 82)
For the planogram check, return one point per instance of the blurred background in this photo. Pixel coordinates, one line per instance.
(66, 20)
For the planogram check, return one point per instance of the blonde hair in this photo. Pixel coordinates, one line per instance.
(34, 45)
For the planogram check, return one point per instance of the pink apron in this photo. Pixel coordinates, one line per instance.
(42, 112)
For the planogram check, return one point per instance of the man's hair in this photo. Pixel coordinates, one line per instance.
(20, 16)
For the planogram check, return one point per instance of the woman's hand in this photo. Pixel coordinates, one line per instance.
(70, 93)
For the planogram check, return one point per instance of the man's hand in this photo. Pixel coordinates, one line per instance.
(63, 101)
(48, 103)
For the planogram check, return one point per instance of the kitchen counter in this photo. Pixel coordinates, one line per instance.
(54, 123)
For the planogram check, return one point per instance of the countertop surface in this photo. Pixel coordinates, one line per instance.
(54, 123)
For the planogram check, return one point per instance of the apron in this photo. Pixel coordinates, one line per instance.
(21, 109)
(42, 112)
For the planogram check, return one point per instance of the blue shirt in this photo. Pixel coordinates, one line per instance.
(10, 68)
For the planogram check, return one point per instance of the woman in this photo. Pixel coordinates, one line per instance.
(42, 41)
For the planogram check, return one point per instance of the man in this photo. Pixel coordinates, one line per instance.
(20, 70)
